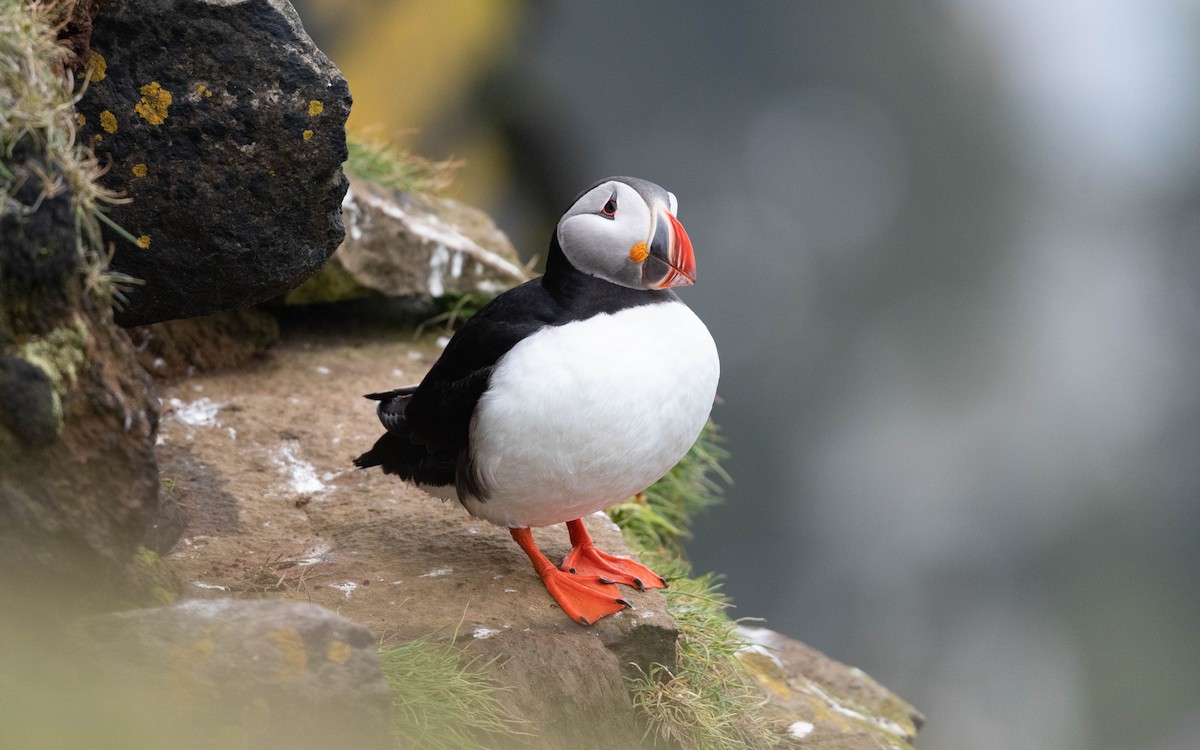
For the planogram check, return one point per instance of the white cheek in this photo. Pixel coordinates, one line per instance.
(599, 246)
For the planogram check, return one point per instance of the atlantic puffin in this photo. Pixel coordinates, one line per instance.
(568, 393)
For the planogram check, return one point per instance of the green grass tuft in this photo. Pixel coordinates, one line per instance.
(656, 521)
(708, 702)
(398, 169)
(440, 702)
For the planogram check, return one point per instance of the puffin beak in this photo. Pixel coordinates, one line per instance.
(671, 261)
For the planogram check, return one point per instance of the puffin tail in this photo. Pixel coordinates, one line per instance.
(377, 456)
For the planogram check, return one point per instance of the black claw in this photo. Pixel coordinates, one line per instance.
(637, 582)
(571, 571)
(584, 620)
(605, 580)
(622, 601)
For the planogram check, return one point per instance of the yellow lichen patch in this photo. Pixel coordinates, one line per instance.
(339, 651)
(638, 252)
(139, 170)
(315, 108)
(766, 672)
(97, 138)
(108, 121)
(98, 65)
(183, 674)
(203, 90)
(80, 120)
(293, 657)
(154, 103)
(307, 134)
(144, 241)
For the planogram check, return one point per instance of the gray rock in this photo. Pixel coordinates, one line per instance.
(400, 244)
(225, 125)
(269, 674)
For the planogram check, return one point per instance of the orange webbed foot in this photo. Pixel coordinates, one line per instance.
(585, 560)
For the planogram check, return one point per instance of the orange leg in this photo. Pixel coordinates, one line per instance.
(585, 598)
(586, 560)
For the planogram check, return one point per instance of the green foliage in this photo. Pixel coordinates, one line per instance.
(397, 169)
(438, 701)
(708, 702)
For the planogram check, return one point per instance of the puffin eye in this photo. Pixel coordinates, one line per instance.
(610, 208)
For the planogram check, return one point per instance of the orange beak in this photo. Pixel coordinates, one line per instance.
(671, 261)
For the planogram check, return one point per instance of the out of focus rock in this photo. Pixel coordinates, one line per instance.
(819, 702)
(225, 125)
(402, 244)
(264, 674)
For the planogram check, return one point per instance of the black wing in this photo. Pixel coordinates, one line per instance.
(428, 425)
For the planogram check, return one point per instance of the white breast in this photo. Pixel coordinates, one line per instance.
(580, 416)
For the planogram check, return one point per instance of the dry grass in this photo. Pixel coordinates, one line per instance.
(38, 142)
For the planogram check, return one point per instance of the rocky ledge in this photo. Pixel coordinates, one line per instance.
(260, 458)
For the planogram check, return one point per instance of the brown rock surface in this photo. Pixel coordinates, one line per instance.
(261, 460)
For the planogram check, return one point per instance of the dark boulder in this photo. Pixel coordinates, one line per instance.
(225, 125)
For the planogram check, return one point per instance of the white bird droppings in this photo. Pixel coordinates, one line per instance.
(437, 572)
(200, 413)
(482, 632)
(800, 729)
(302, 475)
(346, 587)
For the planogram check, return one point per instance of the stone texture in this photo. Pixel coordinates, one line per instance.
(261, 458)
(269, 674)
(78, 477)
(401, 244)
(225, 125)
(820, 702)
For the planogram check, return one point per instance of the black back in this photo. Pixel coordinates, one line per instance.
(428, 428)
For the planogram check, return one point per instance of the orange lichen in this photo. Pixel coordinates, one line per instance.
(98, 65)
(293, 656)
(144, 241)
(154, 103)
(139, 170)
(339, 651)
(308, 134)
(108, 121)
(638, 252)
(315, 108)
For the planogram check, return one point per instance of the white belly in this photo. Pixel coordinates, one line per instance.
(581, 416)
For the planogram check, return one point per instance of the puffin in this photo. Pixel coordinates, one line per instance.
(569, 393)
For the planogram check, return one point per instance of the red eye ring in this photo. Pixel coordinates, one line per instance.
(610, 208)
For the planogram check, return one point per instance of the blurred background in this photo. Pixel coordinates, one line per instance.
(949, 253)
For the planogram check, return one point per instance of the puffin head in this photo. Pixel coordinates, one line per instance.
(624, 230)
